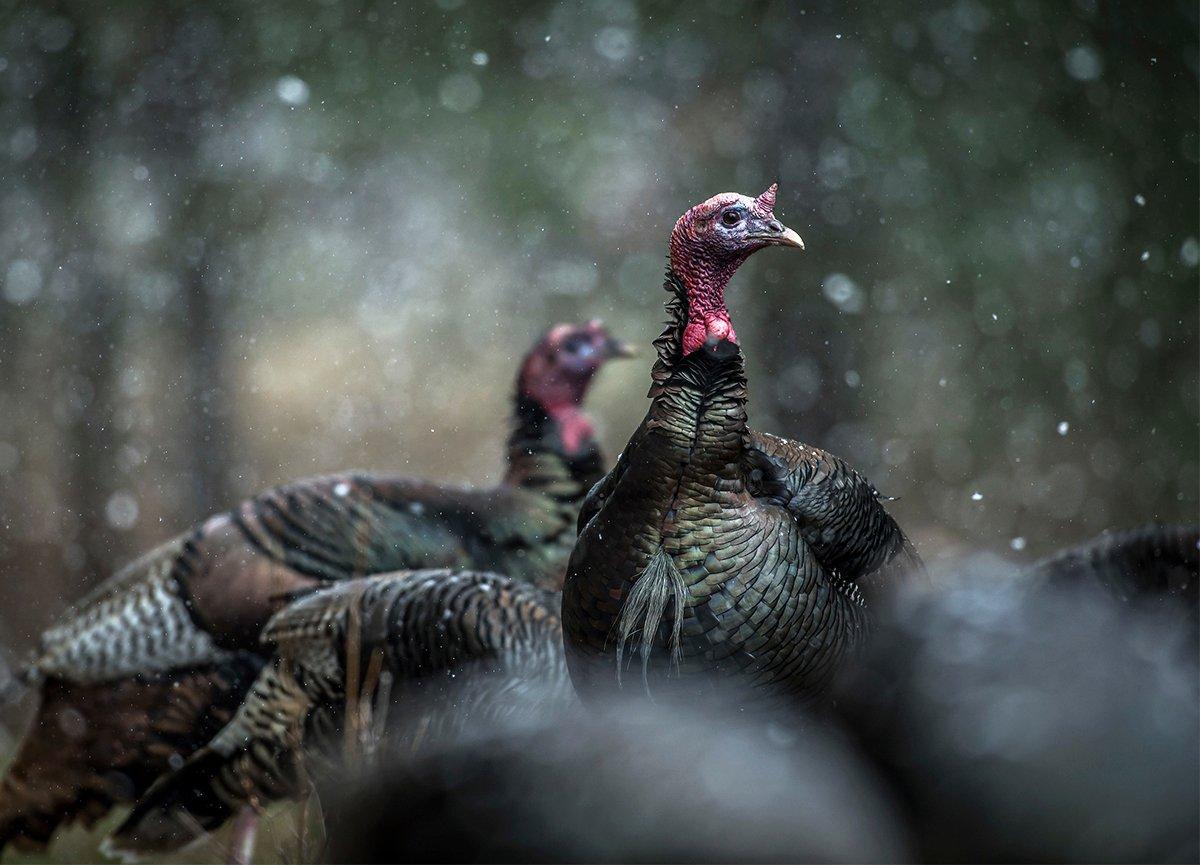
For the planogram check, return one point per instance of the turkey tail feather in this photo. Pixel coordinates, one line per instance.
(94, 746)
(173, 815)
(644, 608)
(1149, 561)
(185, 806)
(254, 760)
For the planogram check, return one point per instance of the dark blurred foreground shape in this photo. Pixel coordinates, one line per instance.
(1037, 721)
(627, 783)
(996, 716)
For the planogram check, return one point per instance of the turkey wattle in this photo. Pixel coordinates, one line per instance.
(712, 549)
(156, 660)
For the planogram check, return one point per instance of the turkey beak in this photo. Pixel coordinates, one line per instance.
(620, 349)
(772, 232)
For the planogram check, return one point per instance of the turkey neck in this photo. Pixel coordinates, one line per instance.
(698, 402)
(539, 462)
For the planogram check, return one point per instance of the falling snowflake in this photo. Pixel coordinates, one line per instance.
(121, 511)
(292, 90)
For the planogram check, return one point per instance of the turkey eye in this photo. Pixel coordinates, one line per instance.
(573, 345)
(731, 217)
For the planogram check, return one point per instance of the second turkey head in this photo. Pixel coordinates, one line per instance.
(558, 371)
(709, 243)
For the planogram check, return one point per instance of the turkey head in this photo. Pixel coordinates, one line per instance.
(709, 243)
(559, 369)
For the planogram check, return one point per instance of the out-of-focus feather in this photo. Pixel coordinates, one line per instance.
(1033, 720)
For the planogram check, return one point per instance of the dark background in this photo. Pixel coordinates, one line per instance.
(242, 243)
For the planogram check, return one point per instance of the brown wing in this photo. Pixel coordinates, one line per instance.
(353, 525)
(93, 746)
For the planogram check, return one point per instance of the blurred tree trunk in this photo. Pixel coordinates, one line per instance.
(91, 436)
(811, 345)
(187, 88)
(66, 112)
(207, 435)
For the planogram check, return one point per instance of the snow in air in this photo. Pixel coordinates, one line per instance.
(1083, 63)
(121, 511)
(843, 292)
(292, 90)
(22, 282)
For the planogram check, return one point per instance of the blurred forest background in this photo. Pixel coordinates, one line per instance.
(242, 243)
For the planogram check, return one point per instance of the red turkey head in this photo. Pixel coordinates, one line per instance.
(709, 243)
(559, 368)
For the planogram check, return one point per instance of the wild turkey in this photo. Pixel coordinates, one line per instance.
(718, 549)
(427, 653)
(169, 640)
